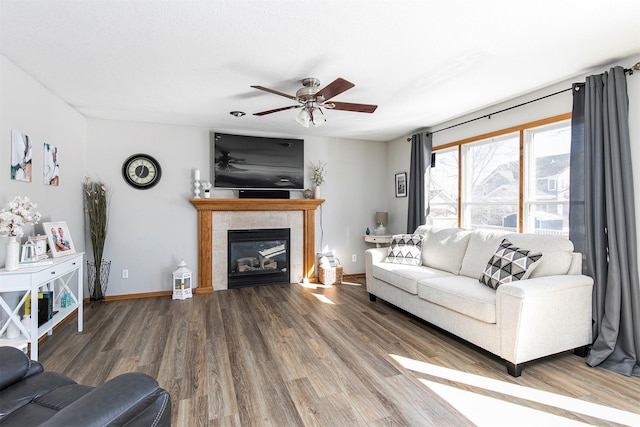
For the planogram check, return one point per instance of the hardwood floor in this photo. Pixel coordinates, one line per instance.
(292, 356)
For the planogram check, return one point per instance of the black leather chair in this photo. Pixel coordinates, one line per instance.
(29, 396)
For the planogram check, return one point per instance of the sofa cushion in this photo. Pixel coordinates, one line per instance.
(405, 249)
(422, 229)
(509, 264)
(444, 248)
(405, 277)
(557, 252)
(482, 245)
(461, 294)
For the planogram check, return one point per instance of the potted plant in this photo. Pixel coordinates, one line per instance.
(318, 174)
(20, 212)
(96, 206)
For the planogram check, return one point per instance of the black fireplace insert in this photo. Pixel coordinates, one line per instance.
(258, 257)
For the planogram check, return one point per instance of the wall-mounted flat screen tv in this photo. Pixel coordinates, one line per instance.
(252, 162)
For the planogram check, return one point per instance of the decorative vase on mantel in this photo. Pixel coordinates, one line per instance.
(316, 192)
(12, 259)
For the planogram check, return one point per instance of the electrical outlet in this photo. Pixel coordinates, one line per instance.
(354, 258)
(125, 274)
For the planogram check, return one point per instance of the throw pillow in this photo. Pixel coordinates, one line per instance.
(405, 249)
(509, 264)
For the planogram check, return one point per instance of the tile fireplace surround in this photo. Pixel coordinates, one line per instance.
(217, 216)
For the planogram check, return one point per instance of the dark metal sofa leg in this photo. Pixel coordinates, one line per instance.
(513, 369)
(372, 297)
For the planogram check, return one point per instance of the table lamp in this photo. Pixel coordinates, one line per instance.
(381, 219)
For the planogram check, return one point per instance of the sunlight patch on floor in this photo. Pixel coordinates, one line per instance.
(350, 283)
(521, 392)
(323, 298)
(312, 285)
(488, 411)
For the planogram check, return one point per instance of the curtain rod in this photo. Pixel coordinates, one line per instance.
(635, 67)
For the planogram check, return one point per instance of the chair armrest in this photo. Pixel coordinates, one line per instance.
(134, 399)
(16, 366)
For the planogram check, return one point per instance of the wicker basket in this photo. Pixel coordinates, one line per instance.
(331, 275)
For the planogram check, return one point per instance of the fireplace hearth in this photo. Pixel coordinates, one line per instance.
(258, 257)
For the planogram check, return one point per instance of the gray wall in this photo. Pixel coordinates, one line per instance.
(27, 107)
(151, 230)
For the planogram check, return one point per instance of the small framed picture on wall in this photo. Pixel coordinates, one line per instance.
(401, 184)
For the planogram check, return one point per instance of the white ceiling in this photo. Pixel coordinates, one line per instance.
(423, 62)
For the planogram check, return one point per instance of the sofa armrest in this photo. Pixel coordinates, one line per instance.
(544, 315)
(16, 366)
(375, 255)
(132, 399)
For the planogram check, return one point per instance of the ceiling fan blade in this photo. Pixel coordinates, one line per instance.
(262, 113)
(334, 88)
(359, 108)
(266, 89)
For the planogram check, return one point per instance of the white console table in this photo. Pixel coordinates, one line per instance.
(63, 274)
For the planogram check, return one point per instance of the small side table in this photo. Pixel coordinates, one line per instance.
(379, 240)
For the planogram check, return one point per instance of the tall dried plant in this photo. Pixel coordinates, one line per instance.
(96, 205)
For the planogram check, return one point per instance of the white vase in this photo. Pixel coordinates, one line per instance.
(13, 254)
(316, 192)
(26, 321)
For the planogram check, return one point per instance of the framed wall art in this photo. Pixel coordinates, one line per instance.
(21, 150)
(59, 238)
(401, 184)
(51, 165)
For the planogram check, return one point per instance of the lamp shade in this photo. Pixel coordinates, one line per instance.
(382, 217)
(303, 117)
(317, 117)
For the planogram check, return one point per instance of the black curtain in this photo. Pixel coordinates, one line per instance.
(602, 217)
(418, 172)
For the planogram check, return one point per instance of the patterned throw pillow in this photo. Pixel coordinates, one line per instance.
(509, 264)
(405, 249)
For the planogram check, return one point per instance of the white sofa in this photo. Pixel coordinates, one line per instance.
(546, 313)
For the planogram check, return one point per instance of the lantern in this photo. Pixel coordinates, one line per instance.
(182, 282)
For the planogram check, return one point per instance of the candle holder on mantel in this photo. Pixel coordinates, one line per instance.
(196, 183)
(196, 189)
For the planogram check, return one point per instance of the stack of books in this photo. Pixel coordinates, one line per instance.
(45, 307)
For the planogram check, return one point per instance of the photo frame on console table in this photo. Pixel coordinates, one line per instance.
(401, 184)
(59, 238)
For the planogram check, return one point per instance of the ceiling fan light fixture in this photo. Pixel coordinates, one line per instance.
(317, 117)
(303, 117)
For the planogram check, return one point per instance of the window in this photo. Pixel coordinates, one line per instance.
(443, 189)
(516, 179)
(546, 195)
(491, 183)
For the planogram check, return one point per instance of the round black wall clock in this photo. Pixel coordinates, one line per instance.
(141, 171)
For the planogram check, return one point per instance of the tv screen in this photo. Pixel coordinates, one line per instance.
(252, 162)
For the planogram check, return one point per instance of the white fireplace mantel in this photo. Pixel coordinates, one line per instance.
(206, 207)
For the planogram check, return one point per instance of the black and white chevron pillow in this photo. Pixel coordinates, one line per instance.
(405, 249)
(509, 264)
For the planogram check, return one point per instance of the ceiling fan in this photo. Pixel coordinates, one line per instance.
(311, 99)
